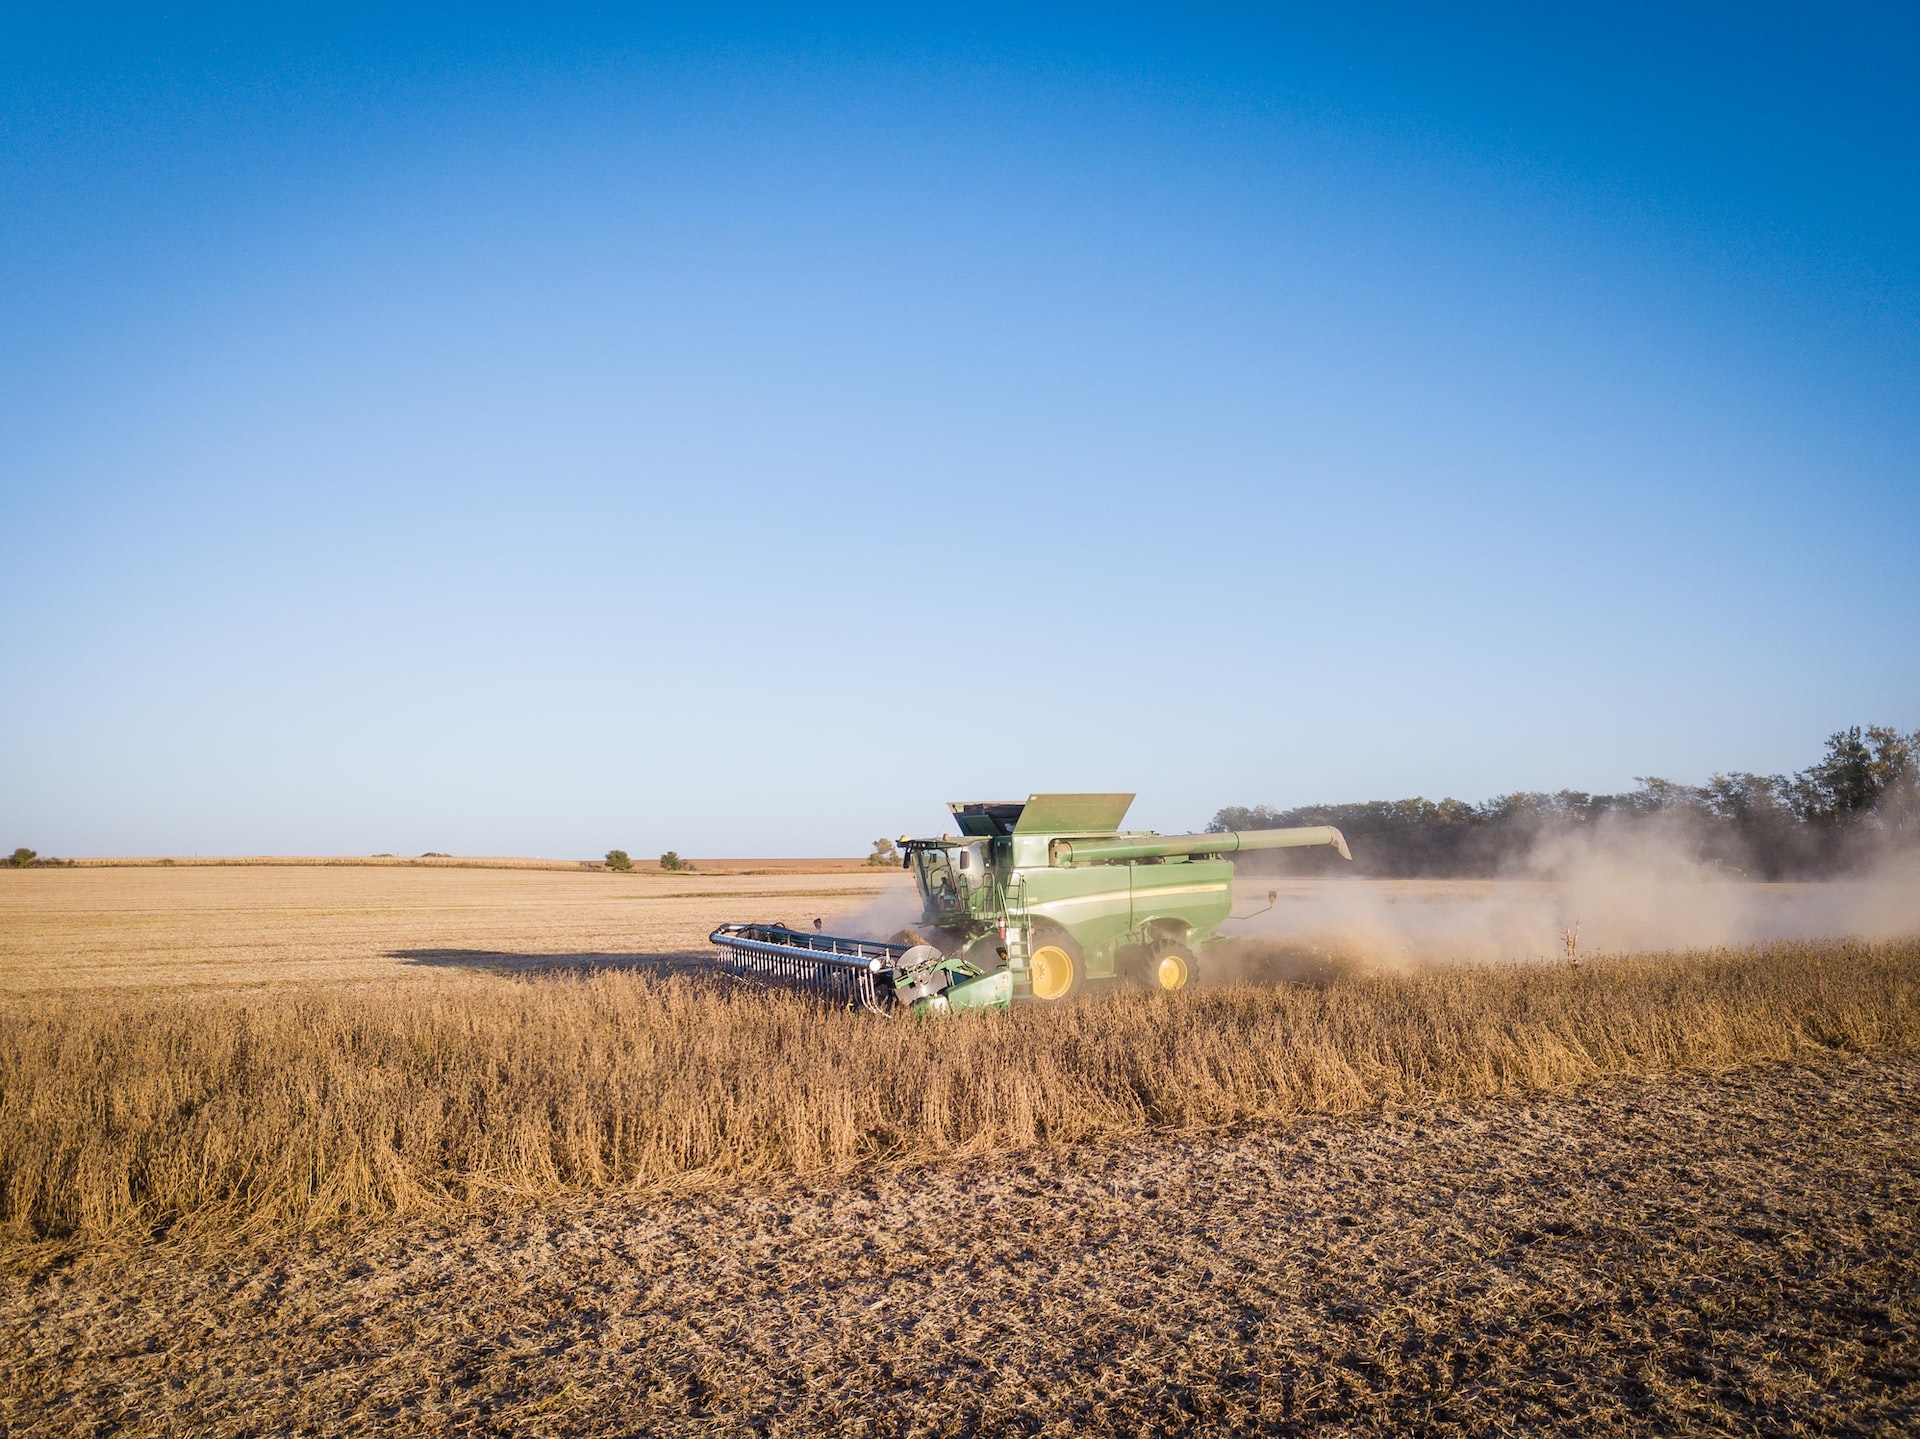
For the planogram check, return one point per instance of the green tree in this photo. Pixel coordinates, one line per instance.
(618, 862)
(1861, 769)
(21, 858)
(670, 860)
(1896, 757)
(884, 855)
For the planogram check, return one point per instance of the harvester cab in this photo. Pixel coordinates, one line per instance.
(945, 875)
(1034, 900)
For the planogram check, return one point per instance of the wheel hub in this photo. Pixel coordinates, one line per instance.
(1052, 970)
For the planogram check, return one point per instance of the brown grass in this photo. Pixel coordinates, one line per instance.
(225, 1113)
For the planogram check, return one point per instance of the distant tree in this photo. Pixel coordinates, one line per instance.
(1753, 825)
(884, 855)
(670, 860)
(617, 860)
(1865, 791)
(1897, 761)
(1844, 785)
(21, 858)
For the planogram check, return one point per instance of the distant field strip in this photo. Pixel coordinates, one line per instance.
(223, 1112)
(161, 927)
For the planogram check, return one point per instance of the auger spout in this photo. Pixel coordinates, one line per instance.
(1110, 849)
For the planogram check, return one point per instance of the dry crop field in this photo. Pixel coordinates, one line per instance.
(305, 1149)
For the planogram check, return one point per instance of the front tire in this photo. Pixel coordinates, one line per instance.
(1056, 969)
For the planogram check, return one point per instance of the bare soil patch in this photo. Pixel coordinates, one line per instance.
(1727, 1254)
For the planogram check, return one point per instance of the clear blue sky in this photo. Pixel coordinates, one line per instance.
(539, 432)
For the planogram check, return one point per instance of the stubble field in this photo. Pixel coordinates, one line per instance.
(201, 926)
(345, 1149)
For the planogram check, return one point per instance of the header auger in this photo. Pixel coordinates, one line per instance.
(1034, 901)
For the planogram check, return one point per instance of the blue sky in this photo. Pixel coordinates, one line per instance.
(538, 432)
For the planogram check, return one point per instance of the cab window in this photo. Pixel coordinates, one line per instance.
(936, 878)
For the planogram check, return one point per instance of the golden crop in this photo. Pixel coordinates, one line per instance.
(126, 1113)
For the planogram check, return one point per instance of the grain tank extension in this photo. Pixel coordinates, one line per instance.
(1034, 900)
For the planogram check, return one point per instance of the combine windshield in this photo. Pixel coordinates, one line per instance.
(937, 885)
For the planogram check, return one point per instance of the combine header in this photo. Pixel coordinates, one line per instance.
(1033, 901)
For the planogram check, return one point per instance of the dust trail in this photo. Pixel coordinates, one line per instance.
(895, 909)
(1615, 891)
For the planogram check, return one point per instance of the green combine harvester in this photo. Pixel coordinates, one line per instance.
(1033, 901)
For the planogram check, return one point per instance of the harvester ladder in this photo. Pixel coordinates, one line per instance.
(1019, 936)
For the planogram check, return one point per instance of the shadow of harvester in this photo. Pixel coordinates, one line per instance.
(496, 961)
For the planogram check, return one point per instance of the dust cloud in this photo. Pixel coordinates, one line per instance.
(1615, 890)
(1609, 892)
(894, 909)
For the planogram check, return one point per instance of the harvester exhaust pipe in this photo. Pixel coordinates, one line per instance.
(1105, 849)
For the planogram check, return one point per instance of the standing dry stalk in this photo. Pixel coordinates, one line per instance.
(210, 1113)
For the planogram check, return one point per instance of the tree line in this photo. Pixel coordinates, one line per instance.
(1860, 798)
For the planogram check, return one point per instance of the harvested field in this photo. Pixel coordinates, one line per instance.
(1719, 1254)
(232, 924)
(356, 1149)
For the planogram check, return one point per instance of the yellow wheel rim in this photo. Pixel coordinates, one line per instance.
(1052, 971)
(1172, 971)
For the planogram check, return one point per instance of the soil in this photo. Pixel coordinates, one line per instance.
(1724, 1254)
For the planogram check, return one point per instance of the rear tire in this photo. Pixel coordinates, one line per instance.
(1056, 969)
(1172, 966)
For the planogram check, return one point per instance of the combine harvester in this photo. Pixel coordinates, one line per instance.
(1033, 901)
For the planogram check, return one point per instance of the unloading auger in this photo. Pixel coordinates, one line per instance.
(1034, 900)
